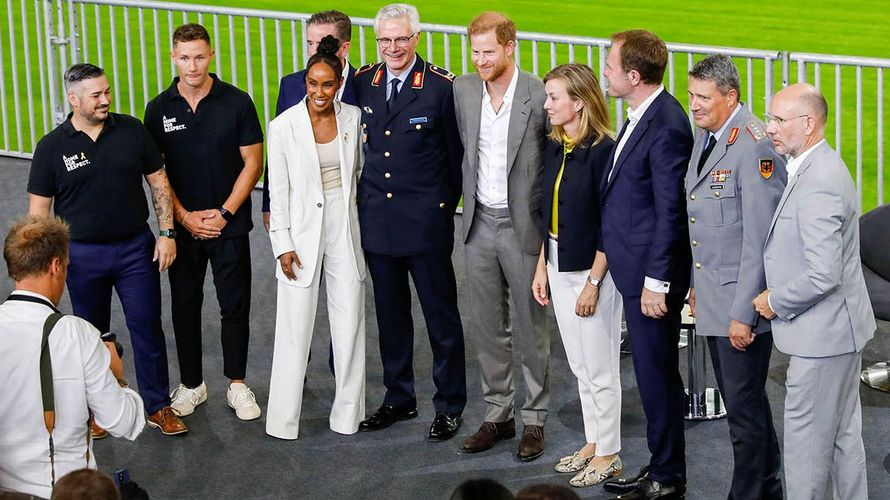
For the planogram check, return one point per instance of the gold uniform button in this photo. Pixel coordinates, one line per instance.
(692, 220)
(386, 154)
(441, 205)
(695, 243)
(387, 133)
(387, 175)
(692, 197)
(716, 194)
(389, 195)
(698, 265)
(417, 126)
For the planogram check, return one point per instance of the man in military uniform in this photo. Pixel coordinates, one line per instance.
(733, 185)
(408, 193)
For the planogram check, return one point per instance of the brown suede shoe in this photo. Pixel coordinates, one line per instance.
(96, 432)
(531, 446)
(489, 434)
(167, 420)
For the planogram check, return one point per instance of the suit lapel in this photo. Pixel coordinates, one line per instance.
(720, 149)
(304, 140)
(607, 180)
(792, 183)
(408, 93)
(638, 132)
(345, 127)
(519, 114)
(473, 119)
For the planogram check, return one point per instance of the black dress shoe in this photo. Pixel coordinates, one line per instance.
(385, 416)
(649, 489)
(625, 484)
(445, 426)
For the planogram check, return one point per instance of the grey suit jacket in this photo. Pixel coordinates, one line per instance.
(525, 142)
(732, 202)
(812, 263)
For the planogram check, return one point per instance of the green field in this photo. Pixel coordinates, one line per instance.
(819, 26)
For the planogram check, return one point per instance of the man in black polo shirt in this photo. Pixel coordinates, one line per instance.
(210, 136)
(92, 166)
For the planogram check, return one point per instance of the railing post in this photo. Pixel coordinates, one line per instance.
(786, 67)
(53, 42)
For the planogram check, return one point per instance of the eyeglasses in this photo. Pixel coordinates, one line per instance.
(401, 41)
(780, 121)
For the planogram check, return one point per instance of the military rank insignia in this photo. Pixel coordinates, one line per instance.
(720, 175)
(766, 167)
(733, 135)
(417, 80)
(377, 77)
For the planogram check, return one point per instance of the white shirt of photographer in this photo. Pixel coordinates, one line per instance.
(82, 382)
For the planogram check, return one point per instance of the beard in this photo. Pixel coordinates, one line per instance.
(496, 71)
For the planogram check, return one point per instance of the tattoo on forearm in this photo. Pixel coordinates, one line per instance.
(160, 197)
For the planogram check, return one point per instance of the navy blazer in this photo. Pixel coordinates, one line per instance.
(292, 90)
(644, 204)
(411, 179)
(579, 200)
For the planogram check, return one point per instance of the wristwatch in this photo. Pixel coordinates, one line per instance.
(593, 281)
(169, 233)
(228, 216)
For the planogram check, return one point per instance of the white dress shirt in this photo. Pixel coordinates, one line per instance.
(494, 125)
(633, 117)
(82, 383)
(401, 78)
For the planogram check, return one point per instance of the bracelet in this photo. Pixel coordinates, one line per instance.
(184, 217)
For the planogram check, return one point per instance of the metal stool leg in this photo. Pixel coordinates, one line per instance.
(702, 402)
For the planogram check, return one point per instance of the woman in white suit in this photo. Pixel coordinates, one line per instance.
(314, 163)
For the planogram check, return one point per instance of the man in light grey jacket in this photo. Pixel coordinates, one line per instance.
(816, 297)
(502, 125)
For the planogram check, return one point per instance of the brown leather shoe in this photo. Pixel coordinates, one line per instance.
(489, 434)
(96, 432)
(531, 446)
(167, 420)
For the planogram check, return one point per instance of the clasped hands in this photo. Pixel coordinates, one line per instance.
(204, 224)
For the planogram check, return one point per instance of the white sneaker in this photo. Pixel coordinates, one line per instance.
(242, 400)
(184, 400)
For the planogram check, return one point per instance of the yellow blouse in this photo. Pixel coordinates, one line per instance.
(567, 147)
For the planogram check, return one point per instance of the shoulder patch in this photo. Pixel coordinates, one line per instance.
(444, 73)
(756, 130)
(767, 167)
(365, 68)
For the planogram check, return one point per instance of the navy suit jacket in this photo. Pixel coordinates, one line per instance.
(644, 204)
(579, 200)
(292, 90)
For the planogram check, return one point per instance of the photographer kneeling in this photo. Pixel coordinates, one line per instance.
(43, 426)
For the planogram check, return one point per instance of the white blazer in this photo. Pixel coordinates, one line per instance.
(295, 189)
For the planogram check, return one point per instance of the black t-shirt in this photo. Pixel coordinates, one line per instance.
(97, 186)
(201, 149)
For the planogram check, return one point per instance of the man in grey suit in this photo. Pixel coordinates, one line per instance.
(733, 184)
(816, 293)
(502, 125)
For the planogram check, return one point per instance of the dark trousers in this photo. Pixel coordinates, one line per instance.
(126, 266)
(741, 377)
(434, 281)
(656, 366)
(230, 264)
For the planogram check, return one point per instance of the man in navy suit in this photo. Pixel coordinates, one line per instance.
(292, 88)
(409, 189)
(646, 241)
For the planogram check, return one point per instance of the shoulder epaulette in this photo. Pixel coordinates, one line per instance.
(365, 68)
(444, 73)
(756, 130)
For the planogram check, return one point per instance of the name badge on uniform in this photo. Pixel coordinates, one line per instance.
(418, 119)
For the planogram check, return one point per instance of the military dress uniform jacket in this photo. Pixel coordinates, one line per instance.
(411, 180)
(730, 205)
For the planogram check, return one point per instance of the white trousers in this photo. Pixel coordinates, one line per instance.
(592, 346)
(295, 321)
(823, 429)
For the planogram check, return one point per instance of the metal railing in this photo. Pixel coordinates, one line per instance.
(255, 48)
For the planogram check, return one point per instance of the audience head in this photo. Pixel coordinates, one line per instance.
(36, 254)
(481, 489)
(713, 91)
(89, 93)
(85, 484)
(329, 22)
(397, 27)
(796, 119)
(576, 105)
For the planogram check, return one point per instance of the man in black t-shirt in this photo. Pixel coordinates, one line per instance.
(92, 167)
(212, 142)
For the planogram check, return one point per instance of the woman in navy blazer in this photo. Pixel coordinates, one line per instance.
(585, 301)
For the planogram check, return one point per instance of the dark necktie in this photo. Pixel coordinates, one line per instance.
(394, 93)
(712, 141)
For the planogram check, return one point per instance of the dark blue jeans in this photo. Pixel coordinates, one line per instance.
(126, 266)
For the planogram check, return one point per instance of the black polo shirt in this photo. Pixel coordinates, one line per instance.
(97, 186)
(201, 149)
